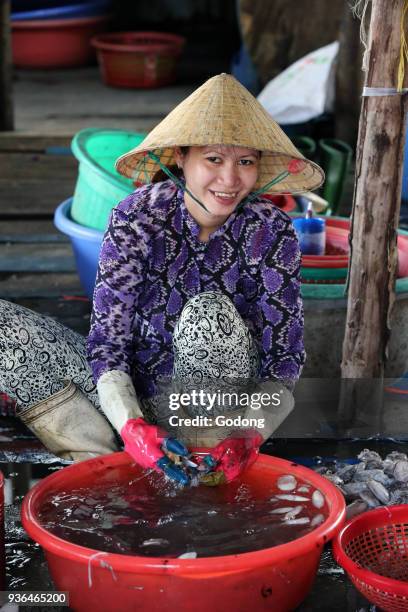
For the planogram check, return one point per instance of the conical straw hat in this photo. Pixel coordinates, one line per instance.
(222, 111)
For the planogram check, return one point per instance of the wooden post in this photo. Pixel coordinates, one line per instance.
(376, 207)
(6, 98)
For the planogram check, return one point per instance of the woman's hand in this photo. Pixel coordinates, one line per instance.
(232, 456)
(145, 444)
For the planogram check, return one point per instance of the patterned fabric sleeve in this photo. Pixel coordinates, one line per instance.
(119, 278)
(282, 349)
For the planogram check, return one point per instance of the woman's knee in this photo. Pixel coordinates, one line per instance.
(211, 341)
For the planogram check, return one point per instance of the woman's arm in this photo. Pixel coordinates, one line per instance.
(281, 344)
(118, 283)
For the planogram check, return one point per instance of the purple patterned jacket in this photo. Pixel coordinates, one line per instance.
(152, 262)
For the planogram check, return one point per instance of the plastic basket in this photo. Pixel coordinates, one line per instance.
(99, 187)
(373, 549)
(138, 59)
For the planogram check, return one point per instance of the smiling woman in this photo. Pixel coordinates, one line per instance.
(220, 177)
(197, 289)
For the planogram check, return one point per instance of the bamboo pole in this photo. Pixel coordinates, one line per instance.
(6, 98)
(376, 207)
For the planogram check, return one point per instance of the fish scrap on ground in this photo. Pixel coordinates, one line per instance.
(371, 482)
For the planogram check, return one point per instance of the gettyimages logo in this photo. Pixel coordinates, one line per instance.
(202, 398)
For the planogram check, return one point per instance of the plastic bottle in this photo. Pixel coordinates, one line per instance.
(311, 232)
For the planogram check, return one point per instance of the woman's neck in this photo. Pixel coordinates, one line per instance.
(208, 223)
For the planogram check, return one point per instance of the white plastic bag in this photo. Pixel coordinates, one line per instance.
(304, 90)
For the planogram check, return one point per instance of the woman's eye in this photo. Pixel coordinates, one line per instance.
(246, 162)
(213, 159)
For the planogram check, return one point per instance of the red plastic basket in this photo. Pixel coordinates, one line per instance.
(284, 201)
(138, 59)
(373, 549)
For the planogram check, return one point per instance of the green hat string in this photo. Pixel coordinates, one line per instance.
(176, 180)
(294, 167)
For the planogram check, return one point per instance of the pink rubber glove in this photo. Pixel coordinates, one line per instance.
(234, 455)
(144, 444)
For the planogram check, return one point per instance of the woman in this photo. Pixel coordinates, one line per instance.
(199, 277)
(198, 282)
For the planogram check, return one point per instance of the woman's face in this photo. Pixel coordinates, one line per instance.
(219, 176)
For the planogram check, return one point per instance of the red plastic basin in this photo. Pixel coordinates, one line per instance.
(55, 43)
(138, 59)
(285, 201)
(337, 231)
(277, 578)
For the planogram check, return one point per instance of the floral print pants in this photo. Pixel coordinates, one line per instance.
(212, 346)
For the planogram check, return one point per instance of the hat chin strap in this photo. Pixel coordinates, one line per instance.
(177, 181)
(249, 198)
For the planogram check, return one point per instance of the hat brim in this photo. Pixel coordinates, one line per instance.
(301, 174)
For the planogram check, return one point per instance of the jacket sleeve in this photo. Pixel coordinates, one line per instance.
(119, 280)
(281, 345)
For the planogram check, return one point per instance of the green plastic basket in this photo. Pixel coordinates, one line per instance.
(99, 187)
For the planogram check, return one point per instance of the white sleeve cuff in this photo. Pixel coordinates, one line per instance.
(118, 398)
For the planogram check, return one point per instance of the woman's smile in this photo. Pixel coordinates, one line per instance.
(225, 198)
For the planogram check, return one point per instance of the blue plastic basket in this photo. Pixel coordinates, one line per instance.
(58, 10)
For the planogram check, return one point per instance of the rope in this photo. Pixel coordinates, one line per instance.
(359, 9)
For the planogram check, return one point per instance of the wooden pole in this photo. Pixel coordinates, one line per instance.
(376, 206)
(6, 98)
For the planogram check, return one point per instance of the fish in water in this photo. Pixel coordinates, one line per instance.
(292, 513)
(298, 521)
(316, 520)
(294, 498)
(155, 542)
(287, 483)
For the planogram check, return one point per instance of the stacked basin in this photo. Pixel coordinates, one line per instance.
(56, 34)
(325, 308)
(99, 188)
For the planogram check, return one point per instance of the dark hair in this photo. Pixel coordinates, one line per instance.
(160, 175)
